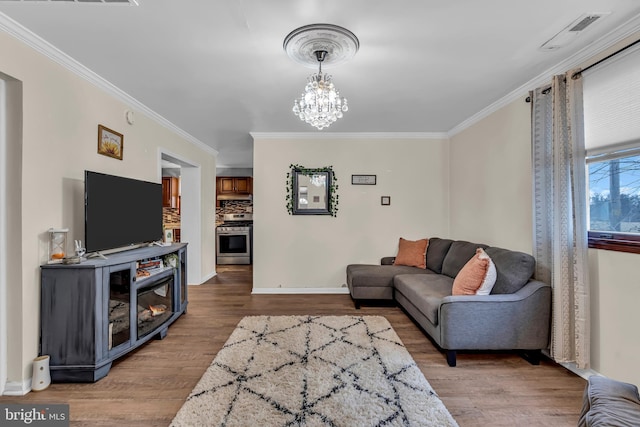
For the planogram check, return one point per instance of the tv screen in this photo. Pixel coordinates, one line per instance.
(120, 212)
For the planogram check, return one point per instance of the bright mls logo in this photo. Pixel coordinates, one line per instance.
(34, 415)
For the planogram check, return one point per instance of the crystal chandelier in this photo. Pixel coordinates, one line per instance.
(313, 45)
(320, 103)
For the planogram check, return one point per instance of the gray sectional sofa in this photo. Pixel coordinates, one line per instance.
(515, 316)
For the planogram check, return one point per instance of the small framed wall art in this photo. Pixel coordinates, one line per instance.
(110, 142)
(363, 180)
(385, 200)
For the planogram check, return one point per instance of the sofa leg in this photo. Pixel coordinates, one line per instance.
(451, 357)
(356, 303)
(532, 356)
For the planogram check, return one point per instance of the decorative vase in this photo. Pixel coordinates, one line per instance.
(41, 377)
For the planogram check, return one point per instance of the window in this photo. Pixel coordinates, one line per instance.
(614, 203)
(612, 139)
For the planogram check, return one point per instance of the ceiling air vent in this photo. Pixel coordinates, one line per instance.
(573, 30)
(585, 22)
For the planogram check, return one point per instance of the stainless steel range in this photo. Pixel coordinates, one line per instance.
(233, 239)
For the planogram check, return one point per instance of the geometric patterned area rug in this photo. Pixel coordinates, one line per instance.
(312, 371)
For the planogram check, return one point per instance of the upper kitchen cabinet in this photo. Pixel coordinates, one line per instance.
(170, 192)
(234, 185)
(233, 188)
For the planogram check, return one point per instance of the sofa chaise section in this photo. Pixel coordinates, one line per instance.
(375, 282)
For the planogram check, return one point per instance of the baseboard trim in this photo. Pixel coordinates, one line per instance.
(258, 291)
(584, 373)
(204, 279)
(17, 388)
(572, 367)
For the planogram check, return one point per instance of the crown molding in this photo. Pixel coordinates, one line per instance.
(628, 29)
(45, 48)
(349, 135)
(19, 32)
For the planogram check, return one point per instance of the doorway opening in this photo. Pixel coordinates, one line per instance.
(10, 231)
(186, 213)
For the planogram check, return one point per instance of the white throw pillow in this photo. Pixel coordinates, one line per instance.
(490, 278)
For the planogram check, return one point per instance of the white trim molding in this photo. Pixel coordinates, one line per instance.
(3, 240)
(204, 279)
(581, 57)
(40, 45)
(286, 291)
(349, 135)
(17, 388)
(584, 373)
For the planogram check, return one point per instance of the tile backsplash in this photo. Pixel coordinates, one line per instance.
(171, 216)
(233, 206)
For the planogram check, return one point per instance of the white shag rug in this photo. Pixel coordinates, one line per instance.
(313, 371)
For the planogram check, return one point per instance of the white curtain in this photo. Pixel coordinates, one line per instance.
(560, 234)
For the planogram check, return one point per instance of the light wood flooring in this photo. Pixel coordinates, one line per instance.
(149, 385)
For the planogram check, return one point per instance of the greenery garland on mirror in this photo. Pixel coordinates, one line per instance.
(333, 188)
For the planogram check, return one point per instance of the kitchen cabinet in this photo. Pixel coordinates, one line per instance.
(233, 188)
(170, 192)
(234, 185)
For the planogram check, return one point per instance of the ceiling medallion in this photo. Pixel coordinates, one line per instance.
(316, 45)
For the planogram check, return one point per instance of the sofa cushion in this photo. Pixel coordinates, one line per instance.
(371, 275)
(608, 402)
(514, 269)
(436, 251)
(424, 291)
(478, 273)
(412, 253)
(459, 253)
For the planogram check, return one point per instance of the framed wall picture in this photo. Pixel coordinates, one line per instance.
(110, 142)
(385, 200)
(311, 192)
(363, 180)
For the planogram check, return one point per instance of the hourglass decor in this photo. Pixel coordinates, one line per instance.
(57, 245)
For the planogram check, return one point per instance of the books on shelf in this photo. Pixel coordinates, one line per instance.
(147, 268)
(150, 264)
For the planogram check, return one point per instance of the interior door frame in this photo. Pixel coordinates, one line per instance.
(190, 211)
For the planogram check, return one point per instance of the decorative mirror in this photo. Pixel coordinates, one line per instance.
(311, 191)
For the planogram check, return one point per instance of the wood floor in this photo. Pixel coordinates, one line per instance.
(149, 385)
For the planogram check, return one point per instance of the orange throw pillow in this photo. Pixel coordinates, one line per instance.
(412, 253)
(472, 275)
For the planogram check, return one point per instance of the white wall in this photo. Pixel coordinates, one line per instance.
(615, 296)
(309, 251)
(491, 203)
(491, 180)
(61, 113)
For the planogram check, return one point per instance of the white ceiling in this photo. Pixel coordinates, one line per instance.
(216, 69)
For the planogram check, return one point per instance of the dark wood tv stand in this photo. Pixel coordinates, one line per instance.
(97, 311)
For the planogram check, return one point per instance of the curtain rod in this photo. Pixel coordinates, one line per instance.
(579, 73)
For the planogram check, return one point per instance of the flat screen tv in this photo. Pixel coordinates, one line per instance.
(120, 212)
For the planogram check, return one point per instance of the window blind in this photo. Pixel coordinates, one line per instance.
(612, 105)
